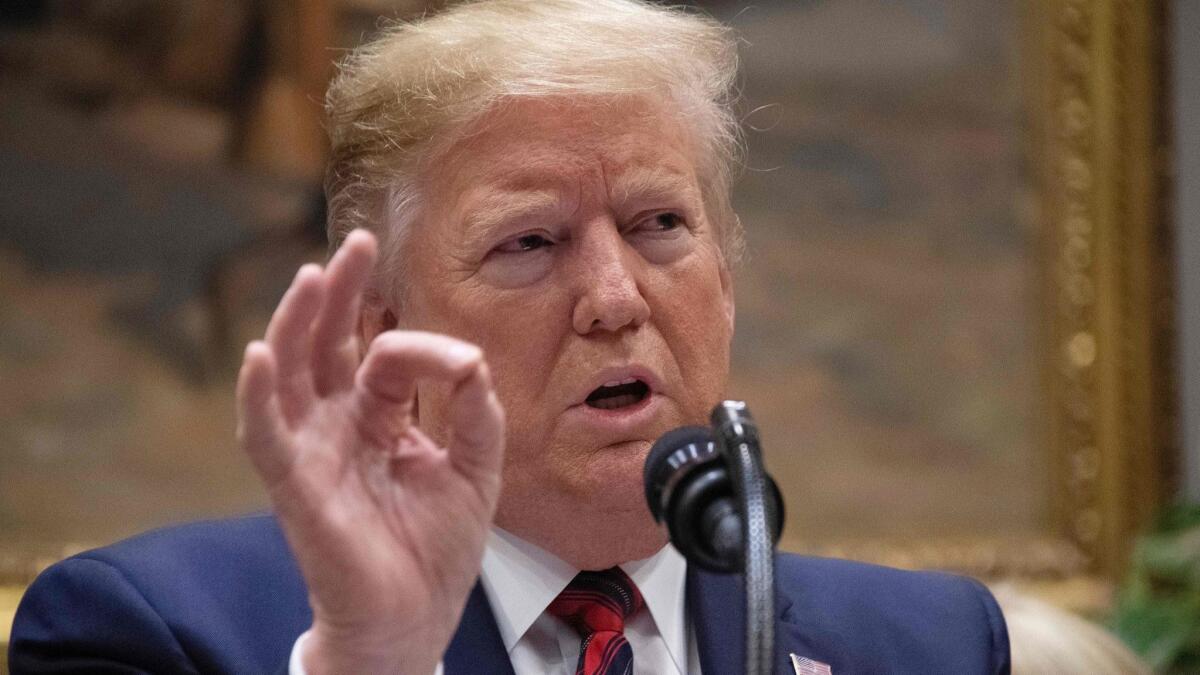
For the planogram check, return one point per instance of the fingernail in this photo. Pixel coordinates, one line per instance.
(465, 353)
(251, 347)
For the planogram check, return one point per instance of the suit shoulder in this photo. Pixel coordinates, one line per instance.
(83, 614)
(859, 578)
(934, 612)
(247, 537)
(236, 566)
(224, 592)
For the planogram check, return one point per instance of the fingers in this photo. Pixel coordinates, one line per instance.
(289, 337)
(333, 355)
(261, 430)
(477, 424)
(387, 380)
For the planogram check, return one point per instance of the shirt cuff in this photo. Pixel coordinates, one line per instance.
(295, 663)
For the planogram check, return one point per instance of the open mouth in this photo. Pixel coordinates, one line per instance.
(622, 394)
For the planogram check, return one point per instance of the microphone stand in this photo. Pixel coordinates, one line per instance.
(737, 439)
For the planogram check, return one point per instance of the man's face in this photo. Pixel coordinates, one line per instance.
(571, 244)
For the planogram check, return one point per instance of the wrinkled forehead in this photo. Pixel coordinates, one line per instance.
(633, 144)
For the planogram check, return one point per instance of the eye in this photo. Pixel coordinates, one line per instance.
(523, 243)
(664, 222)
(661, 236)
(658, 224)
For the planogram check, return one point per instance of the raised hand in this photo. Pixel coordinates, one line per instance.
(387, 526)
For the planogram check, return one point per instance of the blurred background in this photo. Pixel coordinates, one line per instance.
(160, 165)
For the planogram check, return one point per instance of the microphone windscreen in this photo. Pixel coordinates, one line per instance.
(658, 470)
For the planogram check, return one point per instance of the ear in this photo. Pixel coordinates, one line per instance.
(374, 318)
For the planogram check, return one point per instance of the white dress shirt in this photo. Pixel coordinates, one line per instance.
(520, 580)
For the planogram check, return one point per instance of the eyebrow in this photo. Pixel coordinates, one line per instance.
(492, 211)
(501, 205)
(638, 184)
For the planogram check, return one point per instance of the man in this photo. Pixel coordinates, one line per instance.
(530, 205)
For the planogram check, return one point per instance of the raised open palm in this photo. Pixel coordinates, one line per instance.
(387, 526)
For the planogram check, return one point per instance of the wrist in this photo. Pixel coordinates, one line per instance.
(322, 652)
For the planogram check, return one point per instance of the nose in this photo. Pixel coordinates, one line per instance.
(606, 272)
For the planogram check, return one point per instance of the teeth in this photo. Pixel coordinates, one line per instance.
(617, 383)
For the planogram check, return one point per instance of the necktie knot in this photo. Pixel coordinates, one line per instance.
(598, 601)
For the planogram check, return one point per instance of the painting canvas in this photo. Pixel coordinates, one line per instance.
(885, 311)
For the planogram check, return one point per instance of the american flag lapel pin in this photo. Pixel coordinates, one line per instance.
(806, 666)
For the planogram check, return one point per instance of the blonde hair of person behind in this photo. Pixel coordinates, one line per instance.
(1046, 640)
(400, 99)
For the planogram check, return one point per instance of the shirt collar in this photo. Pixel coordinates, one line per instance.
(662, 580)
(521, 579)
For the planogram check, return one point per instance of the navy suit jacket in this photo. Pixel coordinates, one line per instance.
(227, 597)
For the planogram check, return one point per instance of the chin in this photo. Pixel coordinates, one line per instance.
(616, 512)
(614, 540)
(611, 478)
(602, 496)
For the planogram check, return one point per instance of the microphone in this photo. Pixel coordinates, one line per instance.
(689, 486)
(723, 511)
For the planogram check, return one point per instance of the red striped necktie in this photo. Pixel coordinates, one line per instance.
(596, 604)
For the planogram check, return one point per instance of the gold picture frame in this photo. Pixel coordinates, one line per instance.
(1100, 151)
(1096, 139)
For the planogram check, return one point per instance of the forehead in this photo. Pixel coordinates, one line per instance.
(545, 144)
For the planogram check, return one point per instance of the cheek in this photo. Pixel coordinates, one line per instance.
(432, 400)
(513, 327)
(521, 339)
(693, 298)
(695, 325)
(705, 370)
(703, 356)
(519, 336)
(520, 379)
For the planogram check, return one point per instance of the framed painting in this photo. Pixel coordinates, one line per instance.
(954, 323)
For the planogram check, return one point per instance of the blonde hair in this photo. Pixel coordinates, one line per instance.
(399, 100)
(1046, 640)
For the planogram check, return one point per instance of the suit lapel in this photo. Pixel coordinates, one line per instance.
(718, 610)
(717, 606)
(477, 648)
